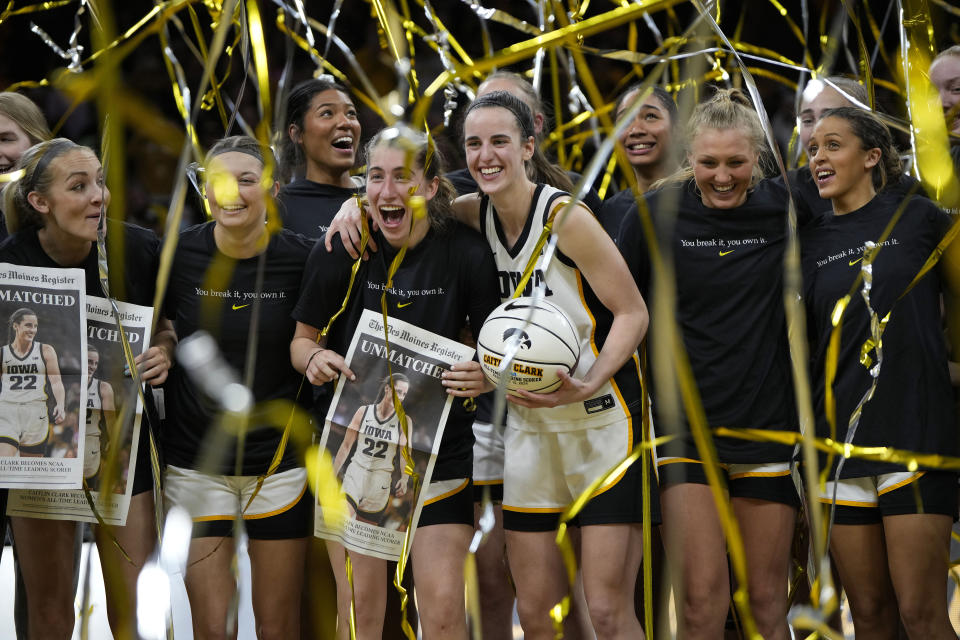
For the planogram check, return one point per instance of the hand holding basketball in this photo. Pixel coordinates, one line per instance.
(466, 380)
(570, 390)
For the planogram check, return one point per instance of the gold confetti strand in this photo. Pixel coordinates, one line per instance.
(388, 18)
(411, 51)
(928, 134)
(877, 35)
(486, 523)
(336, 73)
(418, 204)
(178, 198)
(201, 53)
(181, 94)
(793, 28)
(150, 24)
(528, 48)
(290, 424)
(33, 8)
(946, 6)
(914, 459)
(646, 500)
(560, 610)
(795, 319)
(372, 97)
(864, 58)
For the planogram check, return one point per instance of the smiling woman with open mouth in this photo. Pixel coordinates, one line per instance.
(725, 228)
(891, 533)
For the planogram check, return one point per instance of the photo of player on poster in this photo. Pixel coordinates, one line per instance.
(108, 446)
(42, 409)
(366, 440)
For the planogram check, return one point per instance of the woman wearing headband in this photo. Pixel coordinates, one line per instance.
(235, 280)
(55, 210)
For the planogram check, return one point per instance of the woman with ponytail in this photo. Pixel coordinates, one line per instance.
(890, 537)
(724, 227)
(55, 210)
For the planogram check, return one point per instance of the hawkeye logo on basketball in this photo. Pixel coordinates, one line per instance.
(510, 280)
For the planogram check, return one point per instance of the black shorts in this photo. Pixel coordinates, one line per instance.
(143, 474)
(495, 489)
(620, 503)
(867, 500)
(769, 481)
(448, 502)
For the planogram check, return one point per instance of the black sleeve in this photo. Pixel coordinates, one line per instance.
(324, 285)
(480, 276)
(142, 264)
(631, 241)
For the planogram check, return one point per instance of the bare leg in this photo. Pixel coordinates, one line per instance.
(918, 547)
(540, 578)
(46, 555)
(496, 590)
(138, 539)
(611, 555)
(697, 553)
(369, 593)
(859, 551)
(438, 554)
(767, 532)
(210, 586)
(276, 570)
(318, 606)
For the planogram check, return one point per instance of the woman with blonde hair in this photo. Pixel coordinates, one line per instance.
(22, 125)
(55, 210)
(725, 227)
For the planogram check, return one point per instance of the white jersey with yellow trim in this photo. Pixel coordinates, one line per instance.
(24, 379)
(377, 441)
(617, 398)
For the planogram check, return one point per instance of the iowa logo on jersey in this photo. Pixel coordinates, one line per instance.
(510, 280)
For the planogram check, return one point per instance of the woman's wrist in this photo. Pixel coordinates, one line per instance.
(312, 356)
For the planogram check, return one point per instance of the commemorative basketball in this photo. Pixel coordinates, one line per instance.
(545, 340)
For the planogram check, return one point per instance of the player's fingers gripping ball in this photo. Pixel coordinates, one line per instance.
(542, 338)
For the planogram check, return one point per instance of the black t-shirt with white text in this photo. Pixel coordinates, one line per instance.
(454, 274)
(209, 291)
(911, 407)
(308, 207)
(131, 261)
(728, 267)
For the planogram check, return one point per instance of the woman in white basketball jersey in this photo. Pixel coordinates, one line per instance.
(557, 443)
(367, 478)
(27, 366)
